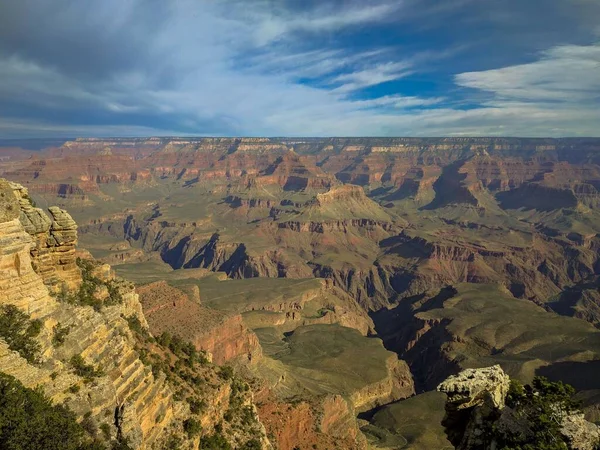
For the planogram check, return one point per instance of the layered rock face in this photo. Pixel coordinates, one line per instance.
(19, 284)
(477, 402)
(77, 169)
(100, 338)
(224, 336)
(37, 253)
(520, 212)
(55, 241)
(330, 424)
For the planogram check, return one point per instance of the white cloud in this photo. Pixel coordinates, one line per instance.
(565, 74)
(398, 101)
(207, 69)
(271, 27)
(372, 76)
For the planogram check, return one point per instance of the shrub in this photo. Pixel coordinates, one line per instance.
(252, 444)
(247, 415)
(176, 345)
(105, 428)
(19, 331)
(226, 372)
(214, 442)
(174, 443)
(114, 294)
(196, 406)
(192, 427)
(136, 326)
(84, 370)
(540, 406)
(164, 339)
(28, 420)
(60, 334)
(89, 425)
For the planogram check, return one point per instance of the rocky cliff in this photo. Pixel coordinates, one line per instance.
(53, 253)
(89, 358)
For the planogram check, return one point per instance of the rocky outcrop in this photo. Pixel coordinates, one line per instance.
(19, 283)
(474, 395)
(293, 173)
(55, 239)
(476, 403)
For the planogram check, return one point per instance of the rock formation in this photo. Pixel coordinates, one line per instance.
(475, 209)
(55, 239)
(476, 404)
(223, 336)
(474, 396)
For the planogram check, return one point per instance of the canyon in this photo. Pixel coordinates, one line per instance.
(343, 278)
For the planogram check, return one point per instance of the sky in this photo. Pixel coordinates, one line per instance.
(299, 68)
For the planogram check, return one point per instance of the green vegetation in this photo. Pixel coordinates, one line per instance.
(174, 443)
(192, 427)
(226, 372)
(19, 332)
(136, 326)
(214, 442)
(86, 371)
(196, 406)
(86, 295)
(28, 420)
(60, 334)
(539, 407)
(182, 349)
(105, 428)
(252, 444)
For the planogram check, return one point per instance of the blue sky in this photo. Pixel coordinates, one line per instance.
(299, 68)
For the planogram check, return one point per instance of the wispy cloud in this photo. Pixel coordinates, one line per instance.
(398, 101)
(274, 25)
(373, 76)
(565, 74)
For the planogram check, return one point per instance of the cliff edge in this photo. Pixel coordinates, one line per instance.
(86, 355)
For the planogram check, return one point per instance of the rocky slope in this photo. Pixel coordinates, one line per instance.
(120, 393)
(223, 336)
